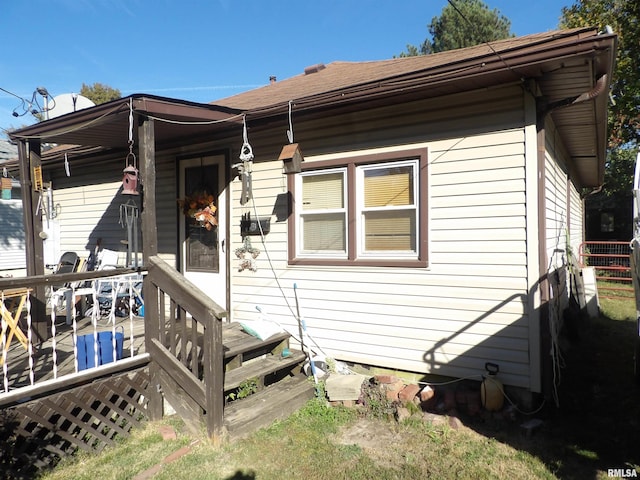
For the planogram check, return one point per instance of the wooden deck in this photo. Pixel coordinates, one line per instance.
(245, 356)
(18, 373)
(182, 352)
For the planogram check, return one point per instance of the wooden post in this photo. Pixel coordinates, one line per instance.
(147, 156)
(34, 247)
(214, 377)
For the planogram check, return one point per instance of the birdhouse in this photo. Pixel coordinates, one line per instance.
(291, 157)
(130, 181)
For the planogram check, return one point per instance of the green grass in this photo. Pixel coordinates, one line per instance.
(594, 428)
(314, 444)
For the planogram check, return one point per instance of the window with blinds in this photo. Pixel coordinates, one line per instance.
(368, 209)
(323, 217)
(389, 210)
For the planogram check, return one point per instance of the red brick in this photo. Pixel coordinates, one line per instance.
(176, 455)
(393, 389)
(385, 379)
(408, 393)
(167, 432)
(427, 393)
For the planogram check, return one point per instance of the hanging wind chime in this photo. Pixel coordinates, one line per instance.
(130, 172)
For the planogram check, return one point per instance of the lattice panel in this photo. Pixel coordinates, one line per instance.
(37, 434)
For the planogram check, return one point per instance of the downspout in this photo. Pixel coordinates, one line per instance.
(545, 108)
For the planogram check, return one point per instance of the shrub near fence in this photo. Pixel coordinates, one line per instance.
(611, 262)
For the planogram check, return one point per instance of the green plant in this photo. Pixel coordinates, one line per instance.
(374, 398)
(246, 388)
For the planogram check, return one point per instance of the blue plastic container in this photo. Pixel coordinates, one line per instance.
(106, 346)
(87, 349)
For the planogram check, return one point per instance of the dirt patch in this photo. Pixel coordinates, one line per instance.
(377, 438)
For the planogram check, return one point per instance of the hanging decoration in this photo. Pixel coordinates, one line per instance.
(130, 172)
(245, 168)
(37, 178)
(200, 206)
(129, 214)
(66, 165)
(247, 255)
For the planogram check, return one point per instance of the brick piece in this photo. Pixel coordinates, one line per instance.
(408, 393)
(167, 432)
(393, 389)
(385, 379)
(427, 393)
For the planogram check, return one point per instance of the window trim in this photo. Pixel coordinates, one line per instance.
(351, 162)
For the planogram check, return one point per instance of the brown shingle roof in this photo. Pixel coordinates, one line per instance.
(347, 75)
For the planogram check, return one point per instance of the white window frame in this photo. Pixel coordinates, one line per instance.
(355, 164)
(301, 213)
(361, 210)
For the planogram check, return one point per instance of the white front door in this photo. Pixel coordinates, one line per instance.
(202, 250)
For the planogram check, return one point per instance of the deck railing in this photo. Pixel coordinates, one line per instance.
(184, 337)
(42, 351)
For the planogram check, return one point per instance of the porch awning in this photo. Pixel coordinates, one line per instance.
(107, 125)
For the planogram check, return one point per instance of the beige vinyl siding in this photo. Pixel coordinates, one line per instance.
(558, 216)
(576, 219)
(88, 206)
(167, 209)
(470, 305)
(556, 213)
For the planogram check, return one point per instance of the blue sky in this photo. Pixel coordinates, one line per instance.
(202, 50)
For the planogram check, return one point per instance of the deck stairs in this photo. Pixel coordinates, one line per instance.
(263, 381)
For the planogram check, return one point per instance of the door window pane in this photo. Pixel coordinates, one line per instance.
(201, 244)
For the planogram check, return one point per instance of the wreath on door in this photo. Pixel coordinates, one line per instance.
(200, 207)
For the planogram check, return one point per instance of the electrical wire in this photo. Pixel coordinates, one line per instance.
(473, 27)
(277, 280)
(77, 128)
(197, 122)
(497, 384)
